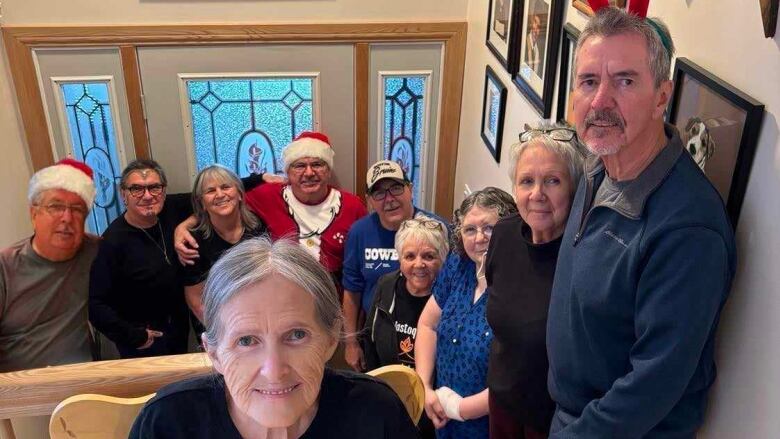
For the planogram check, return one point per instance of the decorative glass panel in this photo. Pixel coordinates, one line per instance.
(404, 130)
(93, 140)
(245, 124)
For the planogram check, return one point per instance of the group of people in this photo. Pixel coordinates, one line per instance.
(583, 305)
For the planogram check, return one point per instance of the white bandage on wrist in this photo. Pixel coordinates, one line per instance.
(450, 401)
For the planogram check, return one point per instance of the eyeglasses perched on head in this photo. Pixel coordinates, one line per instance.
(424, 223)
(394, 190)
(559, 134)
(58, 209)
(300, 167)
(137, 190)
(471, 231)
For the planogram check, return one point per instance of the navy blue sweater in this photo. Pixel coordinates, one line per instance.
(638, 290)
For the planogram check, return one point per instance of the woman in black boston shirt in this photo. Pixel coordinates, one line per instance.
(391, 323)
(223, 220)
(519, 268)
(273, 319)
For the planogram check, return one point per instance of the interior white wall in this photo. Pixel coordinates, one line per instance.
(226, 11)
(728, 40)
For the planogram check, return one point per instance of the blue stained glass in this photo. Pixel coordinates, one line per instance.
(246, 124)
(404, 129)
(87, 109)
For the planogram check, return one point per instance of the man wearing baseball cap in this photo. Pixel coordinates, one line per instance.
(370, 249)
(44, 278)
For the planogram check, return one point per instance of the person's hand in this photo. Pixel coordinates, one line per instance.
(450, 401)
(269, 177)
(434, 409)
(353, 355)
(150, 336)
(185, 245)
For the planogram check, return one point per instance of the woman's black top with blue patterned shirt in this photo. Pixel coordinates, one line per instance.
(462, 341)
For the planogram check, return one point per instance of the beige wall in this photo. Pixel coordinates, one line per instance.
(729, 41)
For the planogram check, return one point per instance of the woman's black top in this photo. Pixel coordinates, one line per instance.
(520, 274)
(351, 406)
(210, 250)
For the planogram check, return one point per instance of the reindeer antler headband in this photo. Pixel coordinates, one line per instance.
(638, 8)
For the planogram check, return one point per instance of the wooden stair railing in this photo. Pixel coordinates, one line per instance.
(37, 392)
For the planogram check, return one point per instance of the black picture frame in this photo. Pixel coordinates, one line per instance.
(502, 47)
(568, 45)
(538, 89)
(719, 126)
(495, 96)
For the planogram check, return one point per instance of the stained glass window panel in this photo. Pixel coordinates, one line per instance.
(404, 125)
(246, 123)
(90, 124)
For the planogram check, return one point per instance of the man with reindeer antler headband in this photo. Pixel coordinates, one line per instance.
(648, 255)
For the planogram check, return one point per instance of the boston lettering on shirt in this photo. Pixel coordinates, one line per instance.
(407, 311)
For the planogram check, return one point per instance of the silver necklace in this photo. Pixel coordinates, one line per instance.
(163, 249)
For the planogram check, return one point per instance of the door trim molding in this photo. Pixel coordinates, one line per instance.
(20, 40)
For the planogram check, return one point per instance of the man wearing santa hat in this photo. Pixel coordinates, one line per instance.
(44, 278)
(306, 208)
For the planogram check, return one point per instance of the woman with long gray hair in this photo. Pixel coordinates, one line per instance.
(223, 220)
(273, 319)
(453, 336)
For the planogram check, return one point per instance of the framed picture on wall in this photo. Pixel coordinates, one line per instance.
(719, 127)
(537, 52)
(493, 106)
(500, 38)
(582, 5)
(566, 77)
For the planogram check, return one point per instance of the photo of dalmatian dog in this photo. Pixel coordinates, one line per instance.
(699, 143)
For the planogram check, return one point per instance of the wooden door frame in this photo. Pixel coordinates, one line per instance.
(21, 40)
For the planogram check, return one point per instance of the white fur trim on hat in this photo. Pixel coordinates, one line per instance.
(62, 176)
(307, 147)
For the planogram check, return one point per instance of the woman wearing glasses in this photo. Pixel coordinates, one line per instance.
(453, 337)
(391, 324)
(223, 220)
(520, 266)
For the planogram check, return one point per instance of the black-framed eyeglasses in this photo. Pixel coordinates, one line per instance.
(559, 134)
(424, 223)
(58, 209)
(394, 190)
(137, 190)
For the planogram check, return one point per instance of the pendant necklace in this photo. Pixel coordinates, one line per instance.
(163, 249)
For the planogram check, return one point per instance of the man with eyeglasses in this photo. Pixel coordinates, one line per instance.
(307, 207)
(44, 279)
(370, 250)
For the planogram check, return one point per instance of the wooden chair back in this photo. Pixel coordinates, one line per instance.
(407, 384)
(91, 416)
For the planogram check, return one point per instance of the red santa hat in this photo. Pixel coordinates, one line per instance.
(67, 174)
(309, 144)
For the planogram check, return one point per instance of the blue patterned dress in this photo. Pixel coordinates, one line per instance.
(463, 341)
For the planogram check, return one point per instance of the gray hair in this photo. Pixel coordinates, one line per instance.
(222, 175)
(140, 165)
(490, 198)
(257, 259)
(415, 230)
(614, 21)
(570, 152)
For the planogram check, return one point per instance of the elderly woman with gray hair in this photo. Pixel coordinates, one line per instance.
(545, 168)
(453, 336)
(273, 319)
(391, 324)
